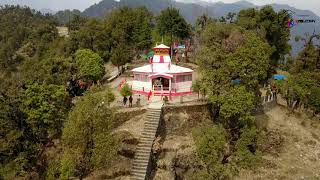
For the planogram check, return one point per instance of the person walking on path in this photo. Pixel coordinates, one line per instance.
(149, 95)
(130, 101)
(138, 103)
(125, 99)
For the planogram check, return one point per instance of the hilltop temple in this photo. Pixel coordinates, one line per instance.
(161, 77)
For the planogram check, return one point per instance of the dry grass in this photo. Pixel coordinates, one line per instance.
(299, 155)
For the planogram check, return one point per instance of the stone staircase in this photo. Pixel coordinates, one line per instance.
(141, 161)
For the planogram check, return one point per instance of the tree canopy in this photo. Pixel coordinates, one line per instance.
(87, 137)
(171, 23)
(271, 25)
(90, 65)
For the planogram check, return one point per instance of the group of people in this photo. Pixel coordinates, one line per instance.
(76, 87)
(125, 100)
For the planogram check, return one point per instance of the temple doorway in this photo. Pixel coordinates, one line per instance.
(160, 84)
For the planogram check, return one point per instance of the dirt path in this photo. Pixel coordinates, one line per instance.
(299, 157)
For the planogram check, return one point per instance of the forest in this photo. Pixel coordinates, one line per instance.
(41, 109)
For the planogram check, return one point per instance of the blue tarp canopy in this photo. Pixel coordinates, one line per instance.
(236, 81)
(279, 77)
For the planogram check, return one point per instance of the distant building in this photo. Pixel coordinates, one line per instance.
(161, 76)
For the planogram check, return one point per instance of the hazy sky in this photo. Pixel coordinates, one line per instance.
(313, 5)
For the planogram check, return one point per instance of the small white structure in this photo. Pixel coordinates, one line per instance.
(162, 78)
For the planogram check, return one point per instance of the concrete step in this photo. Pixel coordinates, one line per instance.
(146, 141)
(149, 133)
(148, 126)
(154, 115)
(143, 152)
(151, 130)
(143, 157)
(154, 110)
(139, 171)
(144, 148)
(141, 165)
(140, 160)
(143, 141)
(154, 128)
(146, 138)
(139, 174)
(151, 122)
(146, 144)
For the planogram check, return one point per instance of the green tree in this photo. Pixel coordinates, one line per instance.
(67, 16)
(297, 89)
(272, 26)
(222, 19)
(246, 149)
(13, 144)
(46, 108)
(170, 22)
(87, 139)
(314, 99)
(75, 22)
(20, 26)
(90, 65)
(92, 35)
(211, 146)
(196, 87)
(246, 58)
(119, 57)
(202, 21)
(52, 70)
(251, 61)
(230, 17)
(237, 106)
(130, 28)
(126, 91)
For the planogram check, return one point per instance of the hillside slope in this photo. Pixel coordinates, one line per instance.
(295, 154)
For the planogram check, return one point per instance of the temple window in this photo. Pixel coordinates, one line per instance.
(187, 78)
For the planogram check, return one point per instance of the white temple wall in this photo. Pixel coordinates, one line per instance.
(182, 86)
(138, 86)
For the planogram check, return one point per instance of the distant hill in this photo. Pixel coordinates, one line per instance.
(191, 9)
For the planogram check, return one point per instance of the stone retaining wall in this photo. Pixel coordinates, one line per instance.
(126, 114)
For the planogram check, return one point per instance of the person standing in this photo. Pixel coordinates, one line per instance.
(125, 99)
(138, 103)
(149, 95)
(130, 101)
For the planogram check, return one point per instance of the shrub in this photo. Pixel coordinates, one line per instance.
(210, 147)
(166, 100)
(126, 91)
(87, 137)
(246, 148)
(314, 99)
